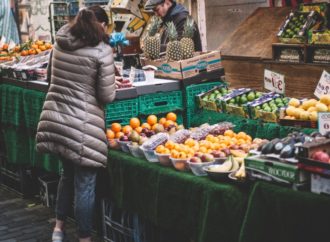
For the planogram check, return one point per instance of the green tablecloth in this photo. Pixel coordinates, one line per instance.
(20, 111)
(194, 206)
(276, 214)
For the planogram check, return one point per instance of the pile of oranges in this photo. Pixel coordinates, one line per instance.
(229, 140)
(27, 48)
(116, 130)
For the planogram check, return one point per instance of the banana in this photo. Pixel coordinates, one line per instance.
(241, 172)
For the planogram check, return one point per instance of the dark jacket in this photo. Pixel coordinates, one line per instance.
(72, 120)
(178, 14)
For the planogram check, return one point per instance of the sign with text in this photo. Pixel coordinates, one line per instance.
(274, 82)
(323, 87)
(324, 122)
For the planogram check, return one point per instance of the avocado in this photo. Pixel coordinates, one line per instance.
(287, 151)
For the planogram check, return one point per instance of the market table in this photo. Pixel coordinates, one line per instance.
(276, 213)
(178, 201)
(210, 211)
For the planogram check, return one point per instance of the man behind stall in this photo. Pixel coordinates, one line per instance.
(169, 10)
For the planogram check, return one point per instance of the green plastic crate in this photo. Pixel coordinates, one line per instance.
(193, 90)
(160, 102)
(33, 103)
(121, 111)
(12, 105)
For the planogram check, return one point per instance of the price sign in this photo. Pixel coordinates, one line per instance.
(323, 87)
(274, 82)
(324, 122)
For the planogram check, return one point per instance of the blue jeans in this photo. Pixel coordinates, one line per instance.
(77, 183)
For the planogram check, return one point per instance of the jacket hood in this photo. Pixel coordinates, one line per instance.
(66, 41)
(178, 8)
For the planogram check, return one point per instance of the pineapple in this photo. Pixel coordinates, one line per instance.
(187, 44)
(173, 49)
(152, 40)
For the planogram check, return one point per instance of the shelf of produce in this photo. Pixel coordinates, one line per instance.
(248, 52)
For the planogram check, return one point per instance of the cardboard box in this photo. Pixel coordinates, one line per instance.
(200, 63)
(126, 6)
(128, 24)
(157, 85)
(274, 171)
(320, 184)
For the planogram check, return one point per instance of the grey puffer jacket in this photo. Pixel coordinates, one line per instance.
(72, 120)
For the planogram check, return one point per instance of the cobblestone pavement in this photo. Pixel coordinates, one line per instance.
(26, 220)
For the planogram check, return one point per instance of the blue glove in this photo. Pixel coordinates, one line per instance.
(118, 39)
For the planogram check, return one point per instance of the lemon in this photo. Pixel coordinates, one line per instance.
(311, 109)
(294, 102)
(304, 115)
(321, 107)
(325, 99)
(290, 110)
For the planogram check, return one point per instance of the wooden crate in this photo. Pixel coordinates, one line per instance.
(293, 53)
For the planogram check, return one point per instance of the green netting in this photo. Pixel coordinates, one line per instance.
(12, 105)
(32, 106)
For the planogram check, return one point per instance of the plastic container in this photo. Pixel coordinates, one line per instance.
(149, 154)
(124, 146)
(180, 164)
(197, 168)
(135, 150)
(164, 159)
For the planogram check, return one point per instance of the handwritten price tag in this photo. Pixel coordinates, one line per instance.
(323, 87)
(274, 82)
(324, 122)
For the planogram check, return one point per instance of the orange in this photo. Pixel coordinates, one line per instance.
(39, 42)
(162, 121)
(152, 119)
(119, 134)
(34, 46)
(138, 129)
(5, 47)
(168, 123)
(32, 51)
(241, 135)
(115, 127)
(127, 129)
(171, 116)
(110, 134)
(160, 149)
(24, 53)
(169, 144)
(17, 48)
(146, 125)
(229, 133)
(38, 51)
(134, 123)
(48, 45)
(42, 48)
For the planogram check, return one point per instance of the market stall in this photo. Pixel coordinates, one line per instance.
(189, 146)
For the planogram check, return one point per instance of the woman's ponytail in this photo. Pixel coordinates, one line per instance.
(88, 28)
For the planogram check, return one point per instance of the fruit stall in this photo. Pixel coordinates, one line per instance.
(190, 152)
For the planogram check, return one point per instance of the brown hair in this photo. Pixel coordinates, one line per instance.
(87, 25)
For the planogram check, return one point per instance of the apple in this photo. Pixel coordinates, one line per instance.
(320, 156)
(226, 151)
(124, 138)
(207, 158)
(195, 160)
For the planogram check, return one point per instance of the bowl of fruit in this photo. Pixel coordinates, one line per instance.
(163, 155)
(197, 162)
(181, 164)
(135, 150)
(220, 172)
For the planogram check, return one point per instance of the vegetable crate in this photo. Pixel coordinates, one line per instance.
(190, 99)
(121, 111)
(160, 102)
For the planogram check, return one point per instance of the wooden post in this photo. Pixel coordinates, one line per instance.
(202, 22)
